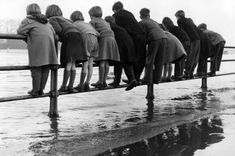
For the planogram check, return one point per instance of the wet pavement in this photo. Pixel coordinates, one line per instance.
(116, 122)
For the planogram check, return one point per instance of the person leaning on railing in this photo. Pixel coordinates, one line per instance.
(218, 43)
(41, 47)
(72, 48)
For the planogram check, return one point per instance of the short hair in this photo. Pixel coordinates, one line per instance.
(167, 22)
(53, 10)
(180, 13)
(117, 6)
(110, 19)
(77, 16)
(202, 25)
(144, 12)
(33, 9)
(95, 11)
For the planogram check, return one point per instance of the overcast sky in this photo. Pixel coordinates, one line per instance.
(219, 15)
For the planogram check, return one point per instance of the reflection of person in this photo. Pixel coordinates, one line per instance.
(72, 48)
(184, 39)
(218, 43)
(108, 48)
(127, 20)
(156, 41)
(89, 35)
(41, 47)
(126, 50)
(189, 27)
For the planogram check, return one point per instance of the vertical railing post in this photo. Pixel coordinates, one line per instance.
(53, 112)
(204, 77)
(150, 92)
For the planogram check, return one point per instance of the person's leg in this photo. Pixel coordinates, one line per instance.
(177, 70)
(66, 76)
(117, 74)
(140, 48)
(72, 77)
(159, 62)
(106, 71)
(169, 72)
(165, 70)
(194, 56)
(44, 77)
(219, 55)
(153, 48)
(128, 69)
(36, 80)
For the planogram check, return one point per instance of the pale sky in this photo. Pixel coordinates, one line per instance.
(219, 15)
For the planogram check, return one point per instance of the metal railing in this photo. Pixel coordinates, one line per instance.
(53, 93)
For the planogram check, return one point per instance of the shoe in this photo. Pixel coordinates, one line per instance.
(71, 89)
(86, 86)
(191, 76)
(114, 84)
(63, 89)
(95, 84)
(178, 78)
(79, 88)
(131, 85)
(33, 93)
(125, 81)
(169, 80)
(163, 80)
(100, 86)
(40, 92)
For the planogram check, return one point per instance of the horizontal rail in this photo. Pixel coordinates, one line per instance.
(24, 97)
(229, 47)
(12, 36)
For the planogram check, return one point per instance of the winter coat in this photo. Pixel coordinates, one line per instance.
(125, 44)
(174, 49)
(40, 41)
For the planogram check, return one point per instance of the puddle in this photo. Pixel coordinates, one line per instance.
(182, 140)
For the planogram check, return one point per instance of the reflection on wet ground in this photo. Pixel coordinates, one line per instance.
(96, 122)
(182, 140)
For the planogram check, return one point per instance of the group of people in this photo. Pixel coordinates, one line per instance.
(119, 40)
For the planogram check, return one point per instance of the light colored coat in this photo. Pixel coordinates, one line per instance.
(40, 42)
(174, 49)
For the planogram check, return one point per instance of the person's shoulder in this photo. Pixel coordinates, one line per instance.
(26, 21)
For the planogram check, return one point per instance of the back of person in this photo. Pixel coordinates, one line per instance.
(40, 41)
(152, 29)
(174, 49)
(188, 26)
(102, 27)
(62, 25)
(179, 33)
(85, 28)
(214, 37)
(127, 20)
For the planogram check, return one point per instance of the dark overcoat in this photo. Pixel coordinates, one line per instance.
(125, 44)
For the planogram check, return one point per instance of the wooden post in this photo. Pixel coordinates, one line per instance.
(53, 112)
(150, 93)
(204, 77)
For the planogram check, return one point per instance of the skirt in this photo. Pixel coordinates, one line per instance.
(72, 49)
(108, 50)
